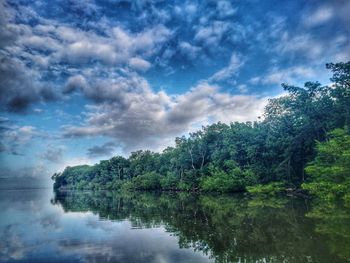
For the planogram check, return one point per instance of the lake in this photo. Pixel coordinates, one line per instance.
(76, 226)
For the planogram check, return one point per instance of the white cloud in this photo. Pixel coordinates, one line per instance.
(150, 40)
(287, 75)
(320, 16)
(225, 9)
(303, 43)
(15, 138)
(243, 88)
(190, 8)
(39, 42)
(187, 11)
(235, 63)
(75, 82)
(212, 34)
(53, 154)
(139, 64)
(188, 50)
(65, 44)
(142, 118)
(75, 161)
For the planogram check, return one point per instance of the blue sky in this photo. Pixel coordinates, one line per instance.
(83, 80)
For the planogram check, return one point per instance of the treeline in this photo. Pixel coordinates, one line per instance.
(230, 157)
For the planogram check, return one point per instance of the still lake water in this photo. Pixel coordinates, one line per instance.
(39, 226)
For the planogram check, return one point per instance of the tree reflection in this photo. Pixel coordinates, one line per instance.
(227, 228)
(333, 222)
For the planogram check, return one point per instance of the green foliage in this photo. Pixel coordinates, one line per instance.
(332, 162)
(169, 182)
(126, 186)
(232, 181)
(183, 186)
(327, 190)
(73, 177)
(189, 180)
(148, 181)
(347, 200)
(267, 189)
(330, 171)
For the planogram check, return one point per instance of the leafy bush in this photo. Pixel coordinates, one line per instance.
(266, 189)
(148, 181)
(231, 181)
(326, 190)
(126, 186)
(347, 200)
(330, 171)
(183, 186)
(169, 182)
(189, 180)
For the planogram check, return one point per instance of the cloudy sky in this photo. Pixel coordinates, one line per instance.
(83, 80)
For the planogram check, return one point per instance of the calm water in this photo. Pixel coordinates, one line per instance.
(38, 226)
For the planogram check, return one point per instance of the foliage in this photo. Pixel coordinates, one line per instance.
(267, 189)
(330, 171)
(169, 182)
(148, 181)
(232, 181)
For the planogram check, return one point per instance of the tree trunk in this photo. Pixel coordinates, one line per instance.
(190, 151)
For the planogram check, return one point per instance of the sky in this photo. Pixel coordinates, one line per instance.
(85, 80)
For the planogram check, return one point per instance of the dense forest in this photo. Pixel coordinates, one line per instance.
(302, 140)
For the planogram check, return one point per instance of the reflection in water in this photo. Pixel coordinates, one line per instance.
(154, 227)
(333, 221)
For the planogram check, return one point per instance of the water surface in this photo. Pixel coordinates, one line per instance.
(40, 226)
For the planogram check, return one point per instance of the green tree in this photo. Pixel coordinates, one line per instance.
(330, 171)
